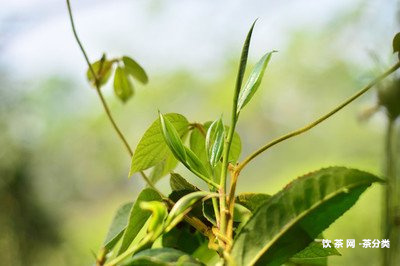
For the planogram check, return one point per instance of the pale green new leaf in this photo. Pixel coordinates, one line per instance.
(215, 142)
(254, 81)
(291, 219)
(137, 217)
(102, 68)
(118, 226)
(152, 148)
(194, 164)
(163, 168)
(135, 70)
(158, 214)
(123, 87)
(162, 257)
(173, 140)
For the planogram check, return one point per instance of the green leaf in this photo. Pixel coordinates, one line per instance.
(184, 238)
(152, 148)
(173, 140)
(183, 205)
(118, 226)
(291, 219)
(240, 213)
(177, 183)
(314, 254)
(135, 70)
(194, 164)
(102, 68)
(137, 217)
(396, 43)
(158, 214)
(163, 168)
(162, 257)
(197, 144)
(215, 142)
(252, 200)
(123, 87)
(243, 61)
(253, 82)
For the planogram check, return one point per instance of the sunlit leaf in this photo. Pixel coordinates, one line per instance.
(291, 219)
(162, 257)
(123, 87)
(215, 142)
(137, 217)
(118, 226)
(152, 148)
(195, 165)
(158, 214)
(254, 81)
(135, 70)
(173, 140)
(163, 168)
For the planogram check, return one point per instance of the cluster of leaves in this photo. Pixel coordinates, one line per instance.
(283, 228)
(126, 69)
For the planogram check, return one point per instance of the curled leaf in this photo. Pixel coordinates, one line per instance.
(102, 69)
(173, 139)
(254, 81)
(215, 142)
(159, 213)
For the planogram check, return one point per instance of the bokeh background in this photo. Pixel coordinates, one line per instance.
(63, 171)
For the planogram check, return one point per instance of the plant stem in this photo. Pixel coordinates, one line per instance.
(103, 101)
(319, 120)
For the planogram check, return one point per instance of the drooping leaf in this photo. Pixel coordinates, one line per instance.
(152, 148)
(184, 238)
(158, 214)
(291, 219)
(118, 226)
(177, 183)
(215, 142)
(137, 217)
(252, 200)
(173, 140)
(162, 257)
(135, 70)
(102, 68)
(254, 81)
(314, 254)
(123, 87)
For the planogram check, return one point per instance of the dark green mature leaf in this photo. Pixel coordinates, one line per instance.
(102, 68)
(135, 70)
(173, 140)
(396, 43)
(314, 254)
(118, 226)
(177, 183)
(184, 238)
(152, 148)
(291, 219)
(243, 61)
(137, 217)
(162, 257)
(254, 81)
(215, 142)
(252, 200)
(123, 87)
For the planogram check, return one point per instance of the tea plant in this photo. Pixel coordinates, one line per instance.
(191, 226)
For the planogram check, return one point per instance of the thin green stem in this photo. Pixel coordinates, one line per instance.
(103, 101)
(319, 120)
